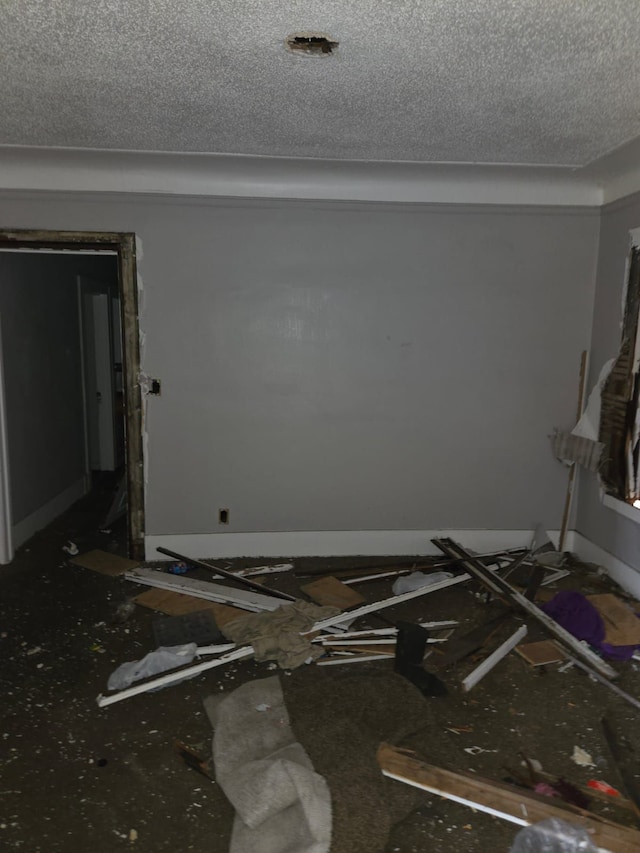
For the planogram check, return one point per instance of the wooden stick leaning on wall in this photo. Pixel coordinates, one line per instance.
(568, 501)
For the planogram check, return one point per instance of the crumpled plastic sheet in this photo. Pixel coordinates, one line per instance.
(416, 580)
(162, 659)
(553, 836)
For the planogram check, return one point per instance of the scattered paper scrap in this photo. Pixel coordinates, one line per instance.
(582, 758)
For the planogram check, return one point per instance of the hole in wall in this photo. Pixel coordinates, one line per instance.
(311, 44)
(223, 516)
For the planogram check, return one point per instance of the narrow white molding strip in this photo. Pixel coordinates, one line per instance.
(172, 677)
(84, 170)
(333, 543)
(487, 665)
(45, 514)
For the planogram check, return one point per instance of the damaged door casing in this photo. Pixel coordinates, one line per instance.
(124, 245)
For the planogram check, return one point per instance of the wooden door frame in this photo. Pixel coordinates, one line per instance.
(124, 245)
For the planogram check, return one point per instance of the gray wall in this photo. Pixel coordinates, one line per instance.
(350, 366)
(42, 373)
(603, 526)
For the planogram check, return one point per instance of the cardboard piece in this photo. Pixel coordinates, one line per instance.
(105, 563)
(541, 653)
(177, 604)
(622, 626)
(330, 591)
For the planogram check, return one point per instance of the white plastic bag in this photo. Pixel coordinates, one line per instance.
(162, 660)
(416, 580)
(553, 836)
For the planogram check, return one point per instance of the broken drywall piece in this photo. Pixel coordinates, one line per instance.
(570, 449)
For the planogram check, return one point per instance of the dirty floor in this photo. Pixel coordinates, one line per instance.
(75, 777)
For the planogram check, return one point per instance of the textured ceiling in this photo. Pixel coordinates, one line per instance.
(490, 81)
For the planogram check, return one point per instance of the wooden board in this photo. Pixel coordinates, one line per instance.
(105, 563)
(246, 599)
(388, 649)
(507, 593)
(461, 647)
(622, 626)
(176, 604)
(330, 591)
(501, 800)
(540, 653)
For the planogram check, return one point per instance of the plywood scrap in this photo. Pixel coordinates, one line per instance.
(501, 800)
(105, 563)
(177, 604)
(494, 658)
(331, 592)
(541, 653)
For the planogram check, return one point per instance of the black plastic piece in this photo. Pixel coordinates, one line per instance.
(411, 643)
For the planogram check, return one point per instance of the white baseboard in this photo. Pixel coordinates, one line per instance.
(44, 515)
(331, 543)
(622, 573)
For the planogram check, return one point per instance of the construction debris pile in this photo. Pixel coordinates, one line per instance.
(330, 623)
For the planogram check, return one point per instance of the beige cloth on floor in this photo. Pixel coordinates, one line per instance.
(277, 635)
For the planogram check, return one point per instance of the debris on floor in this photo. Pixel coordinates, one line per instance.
(462, 666)
(501, 800)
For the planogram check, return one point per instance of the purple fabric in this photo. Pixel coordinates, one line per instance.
(579, 617)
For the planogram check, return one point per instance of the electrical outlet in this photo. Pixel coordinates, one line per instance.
(223, 516)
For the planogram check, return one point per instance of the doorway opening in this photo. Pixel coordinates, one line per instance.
(70, 397)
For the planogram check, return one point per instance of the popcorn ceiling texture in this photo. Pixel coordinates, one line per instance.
(502, 81)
